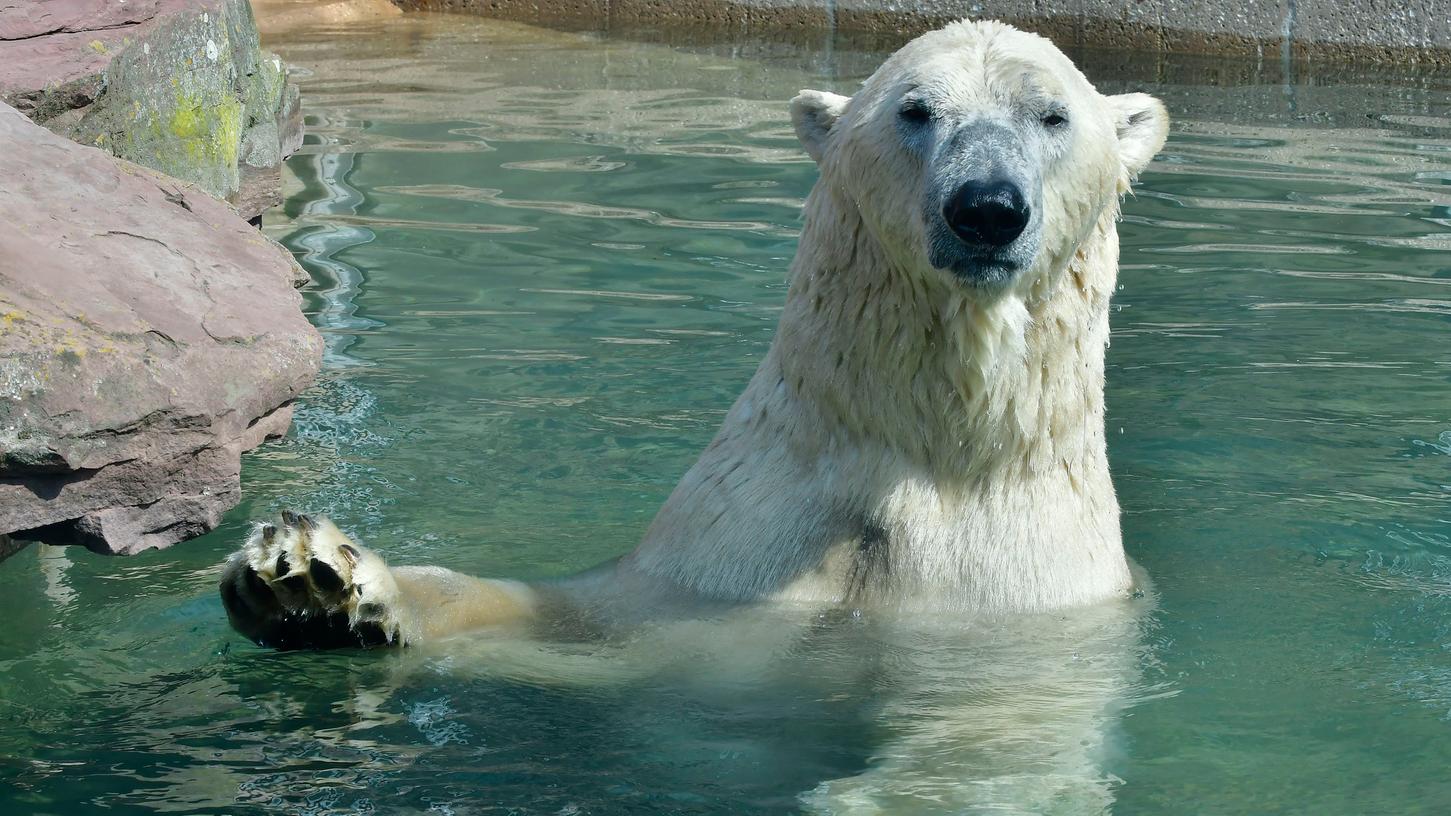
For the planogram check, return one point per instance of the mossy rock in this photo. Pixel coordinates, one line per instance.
(194, 97)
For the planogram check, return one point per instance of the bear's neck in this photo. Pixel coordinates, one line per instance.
(959, 383)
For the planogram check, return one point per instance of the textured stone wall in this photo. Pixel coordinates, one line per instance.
(1374, 30)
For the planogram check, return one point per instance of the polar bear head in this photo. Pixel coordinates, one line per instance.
(981, 153)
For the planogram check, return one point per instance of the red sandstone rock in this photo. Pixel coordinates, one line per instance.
(44, 45)
(20, 21)
(148, 336)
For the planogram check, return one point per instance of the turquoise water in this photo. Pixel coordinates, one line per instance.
(546, 263)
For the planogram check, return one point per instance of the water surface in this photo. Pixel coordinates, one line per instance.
(545, 264)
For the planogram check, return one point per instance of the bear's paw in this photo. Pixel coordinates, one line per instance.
(300, 583)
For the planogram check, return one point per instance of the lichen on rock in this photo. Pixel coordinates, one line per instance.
(181, 86)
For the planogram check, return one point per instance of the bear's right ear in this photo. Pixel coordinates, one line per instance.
(1142, 125)
(813, 113)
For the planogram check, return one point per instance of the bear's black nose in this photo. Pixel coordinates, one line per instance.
(987, 213)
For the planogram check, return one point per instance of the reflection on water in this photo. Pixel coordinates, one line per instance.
(335, 282)
(546, 263)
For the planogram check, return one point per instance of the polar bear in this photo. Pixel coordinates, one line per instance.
(925, 436)
(922, 448)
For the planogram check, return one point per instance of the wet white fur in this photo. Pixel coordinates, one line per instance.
(968, 424)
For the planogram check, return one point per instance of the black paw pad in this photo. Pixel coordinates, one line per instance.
(371, 634)
(256, 587)
(231, 598)
(324, 576)
(294, 583)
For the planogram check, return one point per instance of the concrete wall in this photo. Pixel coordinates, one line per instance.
(1417, 31)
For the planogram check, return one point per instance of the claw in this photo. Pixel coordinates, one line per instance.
(269, 532)
(289, 518)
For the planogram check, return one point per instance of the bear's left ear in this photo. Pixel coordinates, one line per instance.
(814, 113)
(1142, 125)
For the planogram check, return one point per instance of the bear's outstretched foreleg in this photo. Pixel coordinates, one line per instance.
(300, 583)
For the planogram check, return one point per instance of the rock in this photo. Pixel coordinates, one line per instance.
(22, 21)
(181, 86)
(148, 336)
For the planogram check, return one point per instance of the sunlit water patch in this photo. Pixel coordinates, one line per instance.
(546, 263)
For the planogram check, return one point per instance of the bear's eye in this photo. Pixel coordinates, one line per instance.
(915, 112)
(1053, 120)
